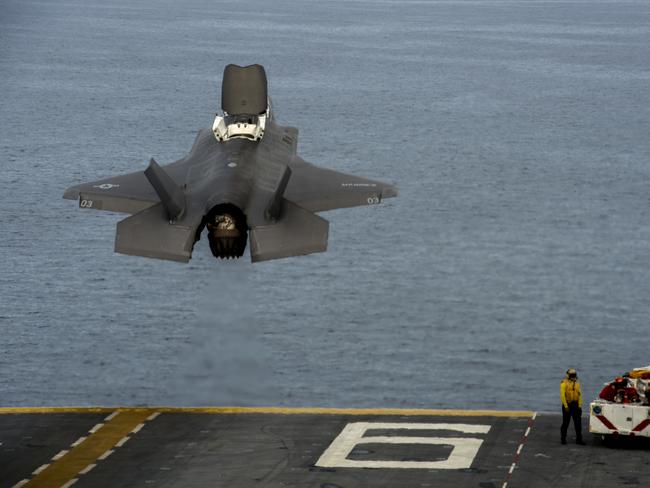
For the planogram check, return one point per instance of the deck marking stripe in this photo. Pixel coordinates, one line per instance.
(17, 410)
(122, 441)
(64, 472)
(59, 455)
(152, 416)
(20, 483)
(517, 455)
(273, 410)
(39, 469)
(137, 429)
(111, 416)
(87, 469)
(78, 441)
(105, 455)
(95, 428)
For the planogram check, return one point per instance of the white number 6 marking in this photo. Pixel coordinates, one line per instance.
(463, 453)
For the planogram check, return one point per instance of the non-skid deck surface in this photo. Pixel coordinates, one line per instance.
(320, 448)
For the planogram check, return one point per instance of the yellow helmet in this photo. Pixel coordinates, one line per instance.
(571, 372)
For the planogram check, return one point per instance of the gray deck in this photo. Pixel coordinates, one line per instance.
(242, 449)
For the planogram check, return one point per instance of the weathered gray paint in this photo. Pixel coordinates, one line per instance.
(276, 189)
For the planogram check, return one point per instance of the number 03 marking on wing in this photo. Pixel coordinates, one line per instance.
(86, 203)
(373, 200)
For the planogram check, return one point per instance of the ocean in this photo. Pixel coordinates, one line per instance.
(519, 245)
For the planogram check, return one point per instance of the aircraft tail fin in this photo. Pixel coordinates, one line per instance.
(298, 232)
(275, 204)
(171, 195)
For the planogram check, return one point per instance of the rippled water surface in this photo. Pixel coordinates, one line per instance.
(517, 132)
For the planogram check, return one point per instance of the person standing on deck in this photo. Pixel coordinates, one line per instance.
(571, 398)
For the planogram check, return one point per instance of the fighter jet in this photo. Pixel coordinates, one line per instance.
(242, 179)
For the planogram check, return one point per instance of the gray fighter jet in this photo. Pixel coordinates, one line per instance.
(241, 176)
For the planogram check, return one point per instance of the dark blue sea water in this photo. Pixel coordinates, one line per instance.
(517, 132)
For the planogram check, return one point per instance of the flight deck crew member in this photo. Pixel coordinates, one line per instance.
(571, 397)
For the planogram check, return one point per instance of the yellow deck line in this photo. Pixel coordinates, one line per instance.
(274, 410)
(86, 452)
(4, 410)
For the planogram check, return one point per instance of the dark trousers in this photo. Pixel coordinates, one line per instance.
(573, 412)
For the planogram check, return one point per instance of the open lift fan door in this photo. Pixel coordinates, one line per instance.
(244, 90)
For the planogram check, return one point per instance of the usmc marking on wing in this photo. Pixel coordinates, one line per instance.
(106, 186)
(358, 185)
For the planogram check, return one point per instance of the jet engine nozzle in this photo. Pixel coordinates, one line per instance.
(227, 234)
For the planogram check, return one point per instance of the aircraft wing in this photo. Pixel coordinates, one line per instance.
(129, 193)
(318, 189)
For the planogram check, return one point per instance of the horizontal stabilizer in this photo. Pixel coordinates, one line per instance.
(149, 234)
(297, 232)
(171, 195)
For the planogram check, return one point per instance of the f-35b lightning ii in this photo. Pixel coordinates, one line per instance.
(241, 176)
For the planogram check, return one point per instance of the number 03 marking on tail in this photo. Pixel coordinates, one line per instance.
(86, 203)
(464, 449)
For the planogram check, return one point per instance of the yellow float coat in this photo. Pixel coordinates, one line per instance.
(570, 392)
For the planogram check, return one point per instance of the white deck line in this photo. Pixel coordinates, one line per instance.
(78, 441)
(87, 468)
(58, 456)
(105, 455)
(122, 441)
(39, 469)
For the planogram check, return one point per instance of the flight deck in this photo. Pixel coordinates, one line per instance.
(304, 447)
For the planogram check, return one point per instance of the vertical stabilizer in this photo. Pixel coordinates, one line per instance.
(171, 195)
(275, 204)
